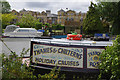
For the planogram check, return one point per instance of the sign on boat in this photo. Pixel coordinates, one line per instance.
(70, 55)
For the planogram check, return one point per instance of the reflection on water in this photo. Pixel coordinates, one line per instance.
(16, 45)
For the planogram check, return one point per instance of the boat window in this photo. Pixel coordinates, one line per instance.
(33, 30)
(23, 30)
(10, 29)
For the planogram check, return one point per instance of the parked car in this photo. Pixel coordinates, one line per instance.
(24, 32)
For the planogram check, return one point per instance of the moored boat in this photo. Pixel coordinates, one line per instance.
(70, 55)
(23, 32)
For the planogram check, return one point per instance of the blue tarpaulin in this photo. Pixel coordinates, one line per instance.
(100, 35)
(41, 30)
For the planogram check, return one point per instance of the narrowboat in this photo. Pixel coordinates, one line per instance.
(69, 55)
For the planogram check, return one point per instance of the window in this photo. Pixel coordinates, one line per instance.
(60, 14)
(68, 19)
(72, 19)
(53, 22)
(60, 17)
(32, 31)
(21, 14)
(23, 30)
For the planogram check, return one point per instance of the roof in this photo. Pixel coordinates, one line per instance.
(61, 10)
(11, 25)
(74, 42)
(23, 10)
(70, 11)
(10, 28)
(43, 13)
(26, 28)
(52, 15)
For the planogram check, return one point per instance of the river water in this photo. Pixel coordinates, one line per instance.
(16, 45)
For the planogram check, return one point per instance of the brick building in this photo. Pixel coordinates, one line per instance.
(70, 19)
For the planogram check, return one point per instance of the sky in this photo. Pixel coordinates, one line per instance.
(53, 5)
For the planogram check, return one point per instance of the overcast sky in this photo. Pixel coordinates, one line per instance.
(53, 5)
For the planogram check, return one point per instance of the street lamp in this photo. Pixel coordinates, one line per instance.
(81, 25)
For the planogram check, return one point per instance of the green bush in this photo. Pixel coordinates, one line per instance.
(57, 27)
(38, 25)
(110, 61)
(13, 68)
(3, 30)
(45, 33)
(53, 75)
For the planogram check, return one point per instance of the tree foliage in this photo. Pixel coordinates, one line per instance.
(92, 23)
(7, 19)
(110, 14)
(110, 61)
(57, 27)
(0, 25)
(38, 25)
(29, 21)
(5, 7)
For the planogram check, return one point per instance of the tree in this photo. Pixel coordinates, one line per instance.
(7, 19)
(0, 25)
(110, 61)
(38, 25)
(5, 7)
(27, 21)
(92, 23)
(110, 14)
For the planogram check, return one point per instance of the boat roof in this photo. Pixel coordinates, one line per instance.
(26, 28)
(10, 28)
(74, 42)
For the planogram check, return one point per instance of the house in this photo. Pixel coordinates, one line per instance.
(70, 19)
